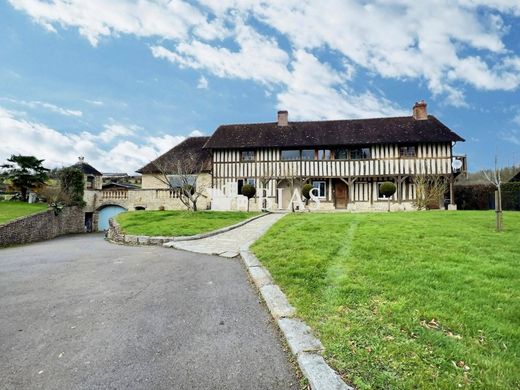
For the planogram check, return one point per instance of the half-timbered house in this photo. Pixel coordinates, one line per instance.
(346, 160)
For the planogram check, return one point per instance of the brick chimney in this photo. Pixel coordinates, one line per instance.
(283, 118)
(419, 111)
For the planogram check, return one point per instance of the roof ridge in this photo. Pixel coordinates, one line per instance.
(322, 121)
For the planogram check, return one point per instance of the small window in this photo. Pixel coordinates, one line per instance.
(324, 154)
(407, 151)
(308, 154)
(320, 185)
(341, 154)
(251, 181)
(90, 181)
(290, 154)
(247, 155)
(360, 154)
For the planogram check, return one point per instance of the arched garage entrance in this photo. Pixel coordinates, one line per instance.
(106, 213)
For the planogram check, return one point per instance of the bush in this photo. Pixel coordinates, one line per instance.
(248, 190)
(387, 189)
(306, 189)
(475, 197)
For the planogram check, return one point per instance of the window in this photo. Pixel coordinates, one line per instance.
(308, 154)
(407, 151)
(320, 185)
(324, 154)
(247, 155)
(290, 154)
(251, 181)
(360, 153)
(379, 194)
(90, 181)
(341, 154)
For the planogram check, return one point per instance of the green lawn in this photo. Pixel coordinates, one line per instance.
(427, 300)
(12, 210)
(178, 223)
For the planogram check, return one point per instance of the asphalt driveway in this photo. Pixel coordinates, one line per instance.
(80, 313)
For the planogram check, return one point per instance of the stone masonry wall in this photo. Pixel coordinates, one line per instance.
(42, 226)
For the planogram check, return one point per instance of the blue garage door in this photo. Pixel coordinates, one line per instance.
(106, 213)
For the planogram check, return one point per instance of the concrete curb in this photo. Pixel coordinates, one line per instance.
(116, 236)
(306, 348)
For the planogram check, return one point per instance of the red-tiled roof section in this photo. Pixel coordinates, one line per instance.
(400, 130)
(191, 149)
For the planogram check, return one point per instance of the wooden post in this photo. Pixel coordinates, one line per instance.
(452, 193)
(498, 209)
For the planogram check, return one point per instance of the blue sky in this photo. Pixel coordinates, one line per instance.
(120, 82)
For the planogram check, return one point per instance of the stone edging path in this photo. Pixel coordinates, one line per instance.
(116, 235)
(304, 346)
(228, 243)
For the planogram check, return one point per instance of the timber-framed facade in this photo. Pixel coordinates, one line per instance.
(345, 160)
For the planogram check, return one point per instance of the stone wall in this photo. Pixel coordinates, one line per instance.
(42, 226)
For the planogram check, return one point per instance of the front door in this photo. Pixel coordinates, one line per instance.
(341, 195)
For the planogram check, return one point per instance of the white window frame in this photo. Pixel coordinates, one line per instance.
(324, 188)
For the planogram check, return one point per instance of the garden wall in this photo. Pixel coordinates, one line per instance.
(42, 226)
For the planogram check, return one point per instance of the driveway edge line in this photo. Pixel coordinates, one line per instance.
(305, 347)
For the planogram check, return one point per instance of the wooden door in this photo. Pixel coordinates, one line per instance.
(341, 195)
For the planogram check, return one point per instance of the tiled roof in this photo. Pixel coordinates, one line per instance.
(86, 168)
(189, 153)
(400, 130)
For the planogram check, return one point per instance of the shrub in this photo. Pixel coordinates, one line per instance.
(388, 189)
(249, 191)
(306, 189)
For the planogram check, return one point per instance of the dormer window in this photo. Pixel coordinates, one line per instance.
(247, 155)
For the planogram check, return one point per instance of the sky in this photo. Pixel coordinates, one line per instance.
(120, 82)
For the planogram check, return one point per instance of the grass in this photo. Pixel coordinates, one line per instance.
(427, 300)
(178, 223)
(10, 210)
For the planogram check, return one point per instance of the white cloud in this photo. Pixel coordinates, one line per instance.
(516, 119)
(202, 83)
(445, 44)
(48, 106)
(94, 102)
(21, 136)
(196, 133)
(99, 18)
(115, 130)
(259, 58)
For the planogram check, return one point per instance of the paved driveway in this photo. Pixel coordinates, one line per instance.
(79, 313)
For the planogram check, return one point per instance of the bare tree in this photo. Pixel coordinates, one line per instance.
(494, 177)
(429, 191)
(180, 174)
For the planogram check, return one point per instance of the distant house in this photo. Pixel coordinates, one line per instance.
(515, 178)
